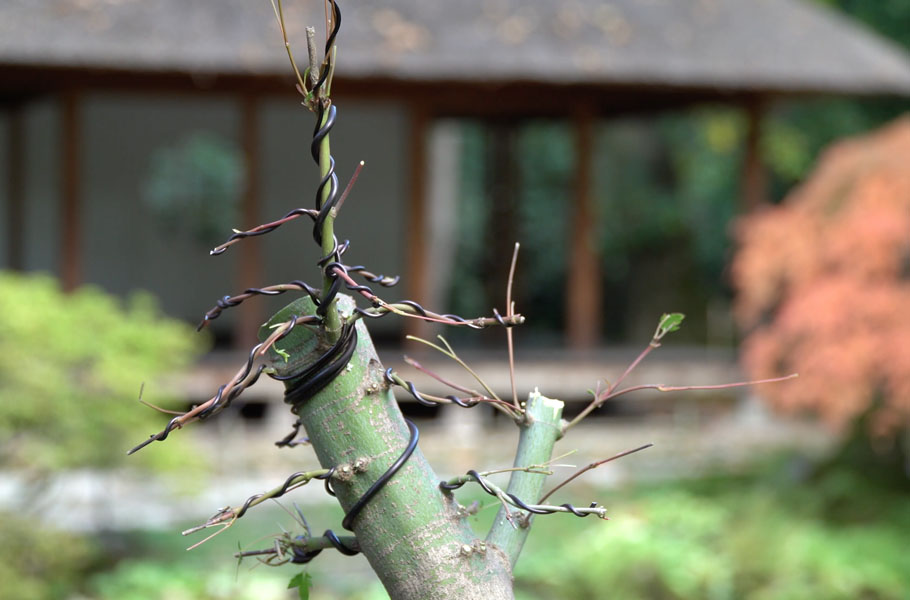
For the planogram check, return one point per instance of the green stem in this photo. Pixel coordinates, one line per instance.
(333, 323)
(539, 433)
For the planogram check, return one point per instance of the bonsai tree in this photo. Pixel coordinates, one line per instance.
(398, 512)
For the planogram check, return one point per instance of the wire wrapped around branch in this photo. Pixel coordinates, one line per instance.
(327, 189)
(263, 229)
(230, 515)
(409, 308)
(537, 509)
(395, 379)
(383, 280)
(322, 371)
(348, 522)
(303, 551)
(304, 548)
(271, 290)
(243, 379)
(294, 481)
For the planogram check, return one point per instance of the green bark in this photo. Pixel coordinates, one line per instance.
(413, 535)
(333, 323)
(538, 434)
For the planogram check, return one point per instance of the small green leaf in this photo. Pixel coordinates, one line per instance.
(671, 322)
(302, 582)
(668, 323)
(282, 353)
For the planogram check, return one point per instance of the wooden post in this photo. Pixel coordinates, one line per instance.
(416, 266)
(754, 183)
(70, 199)
(502, 180)
(583, 287)
(15, 190)
(249, 271)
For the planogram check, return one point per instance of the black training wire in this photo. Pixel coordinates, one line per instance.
(232, 301)
(318, 375)
(444, 485)
(239, 235)
(302, 556)
(412, 389)
(285, 487)
(339, 545)
(219, 402)
(348, 522)
(324, 206)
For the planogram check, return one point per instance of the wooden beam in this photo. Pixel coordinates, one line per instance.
(583, 285)
(518, 98)
(70, 197)
(249, 271)
(754, 182)
(15, 190)
(416, 248)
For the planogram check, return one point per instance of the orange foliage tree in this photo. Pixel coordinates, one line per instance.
(823, 286)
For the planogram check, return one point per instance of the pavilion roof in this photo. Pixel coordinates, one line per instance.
(772, 46)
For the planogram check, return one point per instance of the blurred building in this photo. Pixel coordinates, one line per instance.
(108, 104)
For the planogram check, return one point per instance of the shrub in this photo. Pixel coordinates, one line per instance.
(823, 286)
(71, 366)
(38, 563)
(730, 538)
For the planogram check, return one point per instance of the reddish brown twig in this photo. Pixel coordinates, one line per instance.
(599, 399)
(510, 311)
(589, 467)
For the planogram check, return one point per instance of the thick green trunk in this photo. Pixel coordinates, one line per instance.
(414, 536)
(539, 433)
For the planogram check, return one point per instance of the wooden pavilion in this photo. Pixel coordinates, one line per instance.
(581, 60)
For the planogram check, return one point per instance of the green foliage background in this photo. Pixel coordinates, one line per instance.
(194, 186)
(71, 367)
(758, 536)
(768, 532)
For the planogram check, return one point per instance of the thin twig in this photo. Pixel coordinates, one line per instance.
(220, 531)
(347, 189)
(685, 388)
(671, 388)
(227, 516)
(448, 351)
(591, 466)
(510, 310)
(532, 469)
(279, 13)
(159, 409)
(297, 213)
(631, 367)
(242, 378)
(439, 378)
(501, 405)
(152, 406)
